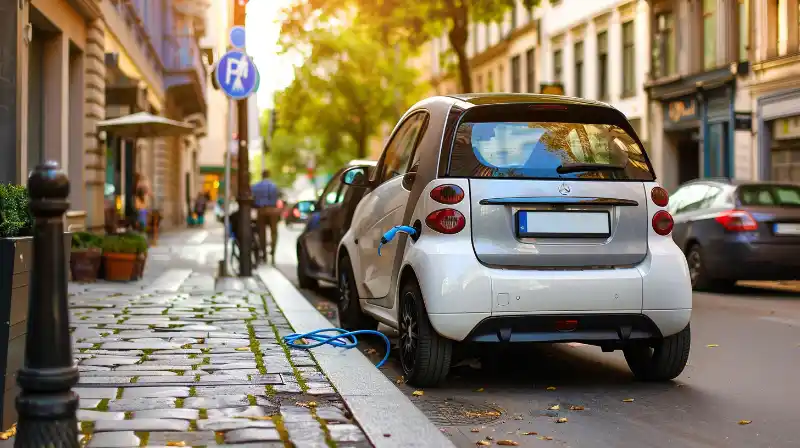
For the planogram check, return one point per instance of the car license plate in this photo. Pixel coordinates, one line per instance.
(787, 228)
(533, 224)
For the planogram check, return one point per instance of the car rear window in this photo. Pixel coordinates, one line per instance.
(770, 195)
(305, 207)
(515, 148)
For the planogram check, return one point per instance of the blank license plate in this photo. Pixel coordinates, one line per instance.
(787, 229)
(563, 224)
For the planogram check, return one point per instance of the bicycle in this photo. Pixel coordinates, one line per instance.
(255, 247)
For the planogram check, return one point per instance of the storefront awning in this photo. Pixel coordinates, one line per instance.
(214, 169)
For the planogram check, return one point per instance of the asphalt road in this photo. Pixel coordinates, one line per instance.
(743, 367)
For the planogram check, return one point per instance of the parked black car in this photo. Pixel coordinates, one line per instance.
(330, 220)
(731, 230)
(299, 212)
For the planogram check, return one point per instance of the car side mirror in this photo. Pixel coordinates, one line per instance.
(355, 177)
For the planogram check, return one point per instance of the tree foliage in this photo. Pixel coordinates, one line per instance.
(414, 22)
(349, 86)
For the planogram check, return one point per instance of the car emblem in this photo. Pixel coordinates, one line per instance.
(564, 189)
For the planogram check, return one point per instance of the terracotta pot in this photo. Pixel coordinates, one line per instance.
(85, 264)
(120, 267)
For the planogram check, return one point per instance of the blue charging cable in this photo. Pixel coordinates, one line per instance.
(343, 339)
(389, 236)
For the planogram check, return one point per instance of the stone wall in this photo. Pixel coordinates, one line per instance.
(94, 110)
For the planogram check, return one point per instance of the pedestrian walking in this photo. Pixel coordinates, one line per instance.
(265, 199)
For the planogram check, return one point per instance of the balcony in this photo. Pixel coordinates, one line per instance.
(185, 74)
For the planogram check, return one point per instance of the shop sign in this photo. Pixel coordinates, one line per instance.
(743, 121)
(552, 89)
(682, 110)
(787, 128)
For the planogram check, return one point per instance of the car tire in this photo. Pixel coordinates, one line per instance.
(303, 279)
(662, 360)
(424, 355)
(350, 315)
(701, 281)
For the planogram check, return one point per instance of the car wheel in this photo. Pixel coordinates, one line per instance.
(303, 279)
(350, 315)
(424, 354)
(661, 360)
(698, 274)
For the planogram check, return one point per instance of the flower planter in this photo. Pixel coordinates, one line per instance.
(120, 267)
(16, 263)
(85, 264)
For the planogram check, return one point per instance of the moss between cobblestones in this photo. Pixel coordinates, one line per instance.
(119, 393)
(129, 415)
(203, 414)
(185, 346)
(179, 402)
(164, 313)
(252, 400)
(96, 346)
(328, 440)
(270, 390)
(300, 380)
(103, 405)
(143, 437)
(134, 379)
(197, 377)
(117, 331)
(192, 392)
(255, 347)
(87, 428)
(278, 420)
(219, 436)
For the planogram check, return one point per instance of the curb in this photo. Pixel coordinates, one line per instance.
(375, 402)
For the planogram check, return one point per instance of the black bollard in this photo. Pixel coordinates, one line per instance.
(46, 404)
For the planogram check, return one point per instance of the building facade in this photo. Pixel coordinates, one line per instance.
(698, 87)
(775, 90)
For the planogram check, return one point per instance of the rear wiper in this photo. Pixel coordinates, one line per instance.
(578, 167)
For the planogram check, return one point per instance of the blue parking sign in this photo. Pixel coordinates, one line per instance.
(237, 75)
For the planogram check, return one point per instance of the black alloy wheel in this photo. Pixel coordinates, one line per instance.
(424, 355)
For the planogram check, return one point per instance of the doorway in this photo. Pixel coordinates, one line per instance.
(688, 150)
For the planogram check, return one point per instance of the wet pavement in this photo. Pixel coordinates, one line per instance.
(739, 390)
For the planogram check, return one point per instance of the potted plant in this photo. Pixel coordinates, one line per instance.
(120, 258)
(85, 256)
(140, 241)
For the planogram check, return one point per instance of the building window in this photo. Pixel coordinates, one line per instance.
(516, 76)
(479, 84)
(530, 69)
(501, 79)
(664, 57)
(602, 65)
(628, 60)
(557, 67)
(578, 69)
(709, 34)
(744, 29)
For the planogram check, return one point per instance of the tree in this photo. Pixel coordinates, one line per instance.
(348, 87)
(402, 20)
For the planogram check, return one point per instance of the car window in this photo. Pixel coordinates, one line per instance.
(401, 147)
(330, 196)
(711, 196)
(535, 149)
(769, 195)
(692, 198)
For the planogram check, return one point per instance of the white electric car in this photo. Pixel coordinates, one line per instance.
(529, 218)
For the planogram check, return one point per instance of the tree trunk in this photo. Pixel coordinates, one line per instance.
(458, 40)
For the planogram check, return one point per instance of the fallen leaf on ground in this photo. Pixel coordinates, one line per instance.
(260, 418)
(712, 345)
(482, 443)
(745, 422)
(242, 349)
(555, 407)
(482, 414)
(303, 404)
(507, 443)
(530, 433)
(551, 388)
(400, 380)
(546, 438)
(370, 351)
(576, 408)
(418, 393)
(561, 420)
(628, 400)
(176, 443)
(475, 430)
(479, 389)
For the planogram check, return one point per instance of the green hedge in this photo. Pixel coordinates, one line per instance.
(86, 240)
(126, 243)
(15, 215)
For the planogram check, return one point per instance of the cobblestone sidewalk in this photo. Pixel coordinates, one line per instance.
(198, 367)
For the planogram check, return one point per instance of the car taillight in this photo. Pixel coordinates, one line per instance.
(296, 213)
(447, 194)
(447, 221)
(662, 222)
(659, 196)
(737, 221)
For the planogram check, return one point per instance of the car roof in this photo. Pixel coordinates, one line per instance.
(735, 182)
(513, 98)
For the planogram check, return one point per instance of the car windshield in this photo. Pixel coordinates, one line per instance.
(547, 150)
(770, 195)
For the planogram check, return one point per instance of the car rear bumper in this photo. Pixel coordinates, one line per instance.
(752, 261)
(460, 292)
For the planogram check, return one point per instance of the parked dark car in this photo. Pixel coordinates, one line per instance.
(731, 230)
(299, 212)
(317, 245)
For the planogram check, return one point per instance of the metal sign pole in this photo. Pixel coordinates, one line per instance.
(228, 157)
